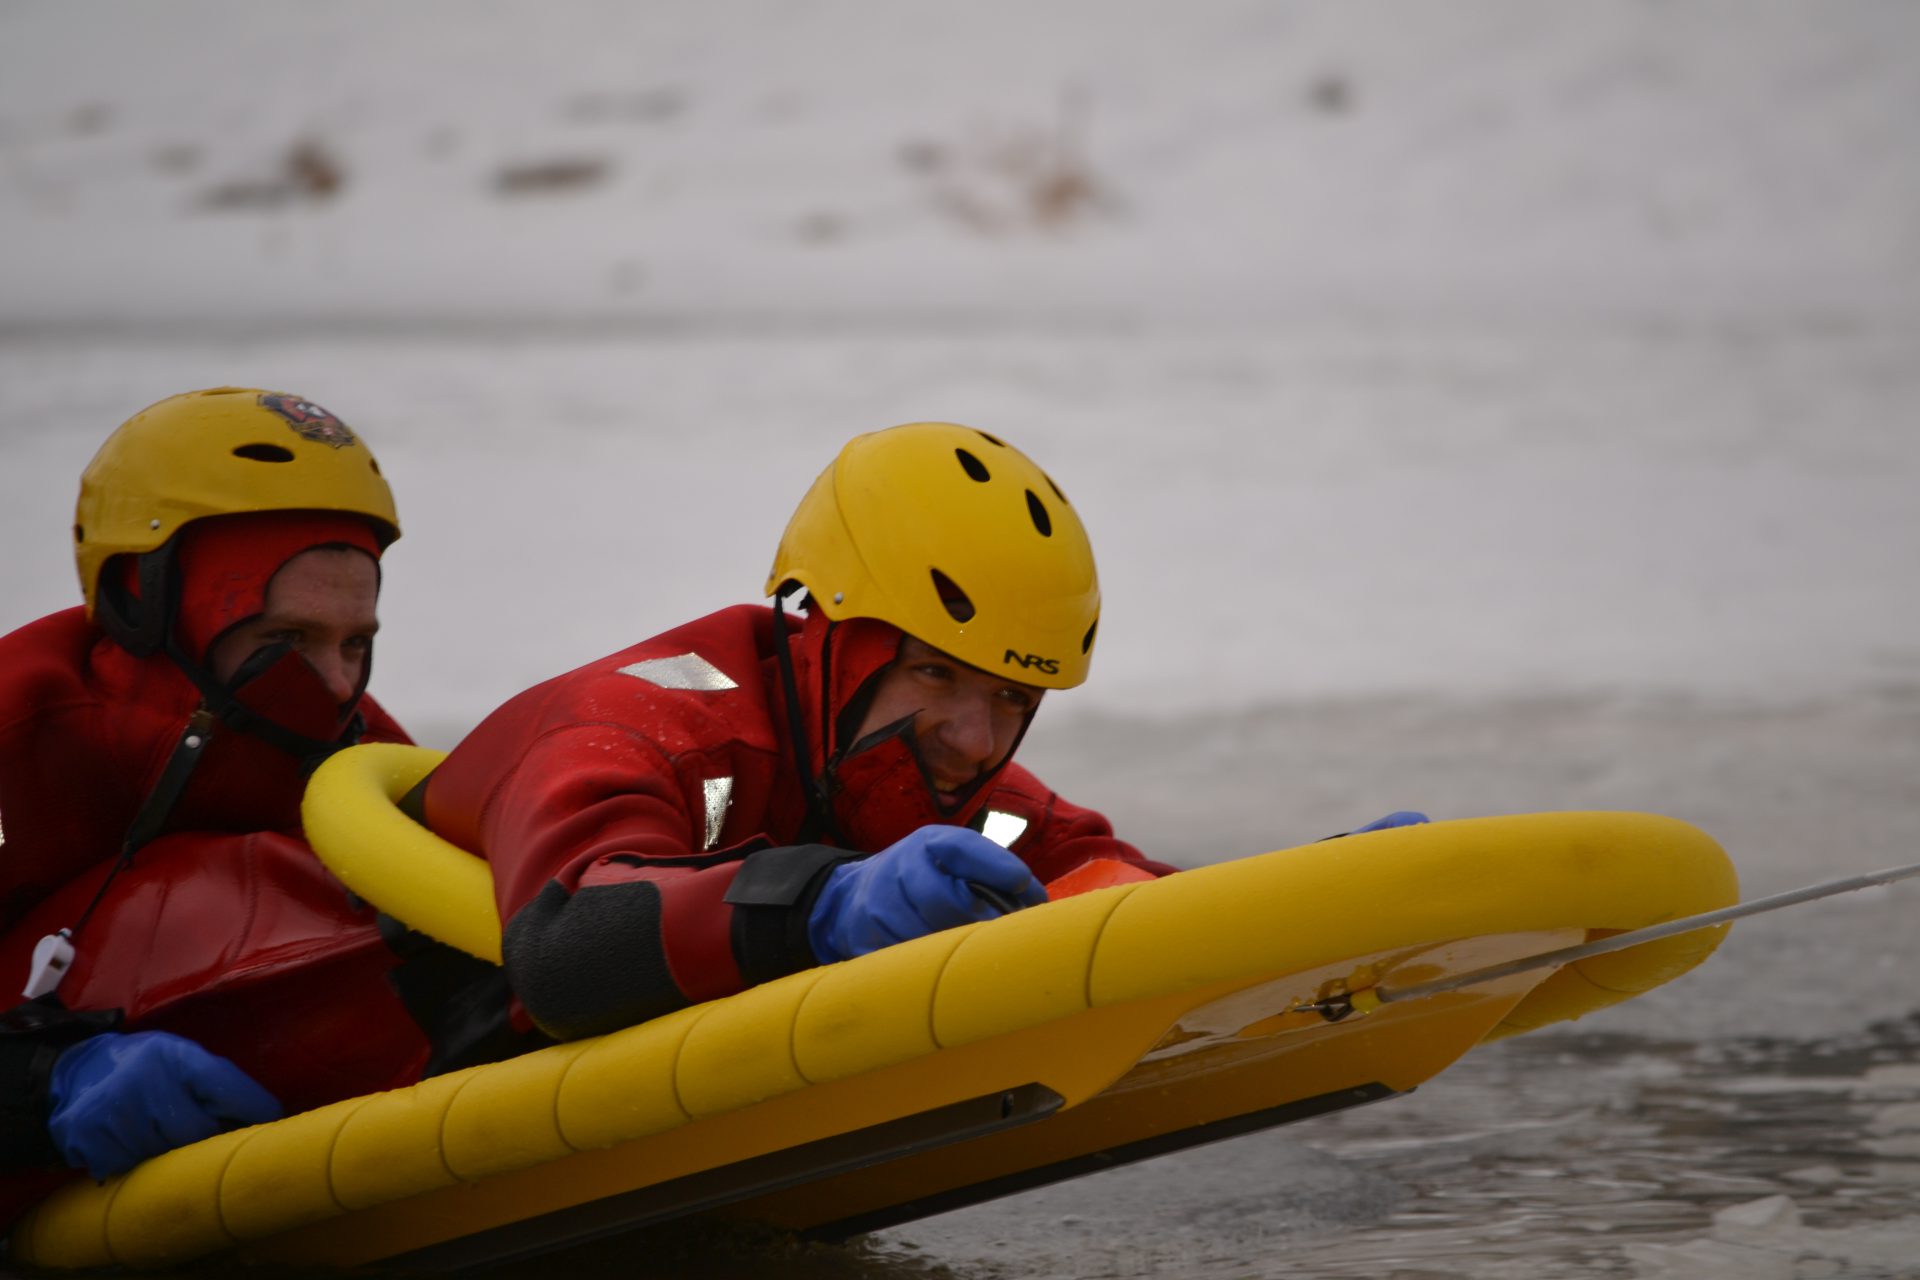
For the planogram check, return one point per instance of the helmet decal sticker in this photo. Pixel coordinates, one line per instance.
(1032, 662)
(310, 421)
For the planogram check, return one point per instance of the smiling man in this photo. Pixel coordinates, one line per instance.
(759, 792)
(966, 721)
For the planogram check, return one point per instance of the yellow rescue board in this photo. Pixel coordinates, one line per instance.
(1071, 1036)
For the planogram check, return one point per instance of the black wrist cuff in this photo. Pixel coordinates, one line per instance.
(32, 1038)
(25, 1070)
(772, 896)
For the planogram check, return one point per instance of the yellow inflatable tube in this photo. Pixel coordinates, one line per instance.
(446, 892)
(389, 859)
(1081, 996)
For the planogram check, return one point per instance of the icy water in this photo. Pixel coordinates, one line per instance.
(1563, 1155)
(1658, 570)
(1758, 1119)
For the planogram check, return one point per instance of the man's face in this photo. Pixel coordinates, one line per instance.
(965, 721)
(321, 603)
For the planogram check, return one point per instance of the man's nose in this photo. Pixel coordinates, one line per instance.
(968, 730)
(339, 672)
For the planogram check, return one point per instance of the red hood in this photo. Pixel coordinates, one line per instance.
(226, 565)
(881, 792)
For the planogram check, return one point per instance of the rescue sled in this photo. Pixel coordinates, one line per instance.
(1091, 1031)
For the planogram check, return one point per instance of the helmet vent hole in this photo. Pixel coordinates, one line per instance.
(264, 452)
(1056, 488)
(79, 533)
(1041, 520)
(374, 464)
(973, 466)
(993, 440)
(952, 598)
(1086, 641)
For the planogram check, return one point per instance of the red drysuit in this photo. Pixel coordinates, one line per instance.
(224, 928)
(648, 821)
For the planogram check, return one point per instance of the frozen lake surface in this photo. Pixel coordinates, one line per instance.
(1280, 514)
(1432, 572)
(1757, 1119)
(1566, 1155)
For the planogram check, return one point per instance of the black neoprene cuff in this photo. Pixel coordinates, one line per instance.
(590, 962)
(772, 896)
(32, 1037)
(25, 1069)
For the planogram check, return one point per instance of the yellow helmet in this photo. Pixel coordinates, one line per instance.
(957, 539)
(220, 452)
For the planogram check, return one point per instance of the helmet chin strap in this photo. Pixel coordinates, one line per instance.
(886, 791)
(219, 699)
(819, 806)
(902, 729)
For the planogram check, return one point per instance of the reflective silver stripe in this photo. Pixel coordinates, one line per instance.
(682, 671)
(719, 796)
(1003, 828)
(3, 833)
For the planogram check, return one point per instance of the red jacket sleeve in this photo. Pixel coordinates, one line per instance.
(628, 830)
(614, 910)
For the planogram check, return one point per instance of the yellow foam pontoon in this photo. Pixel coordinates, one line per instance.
(1107, 1027)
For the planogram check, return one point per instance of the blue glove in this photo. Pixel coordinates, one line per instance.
(120, 1099)
(919, 885)
(1398, 818)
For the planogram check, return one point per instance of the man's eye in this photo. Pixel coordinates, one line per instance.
(359, 644)
(935, 670)
(1019, 698)
(284, 636)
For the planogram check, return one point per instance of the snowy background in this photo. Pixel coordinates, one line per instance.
(1477, 405)
(1461, 347)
